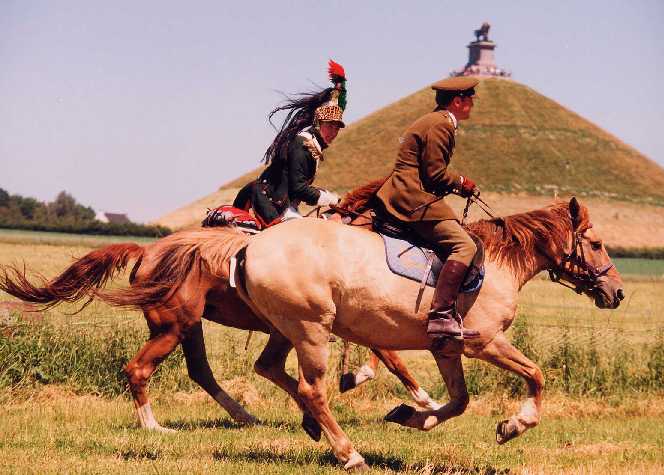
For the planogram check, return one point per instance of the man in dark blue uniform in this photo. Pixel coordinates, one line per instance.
(312, 124)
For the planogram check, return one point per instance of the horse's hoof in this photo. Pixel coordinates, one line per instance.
(505, 432)
(400, 414)
(246, 420)
(356, 463)
(347, 382)
(311, 427)
(163, 430)
(361, 467)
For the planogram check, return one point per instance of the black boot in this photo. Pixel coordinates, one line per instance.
(444, 320)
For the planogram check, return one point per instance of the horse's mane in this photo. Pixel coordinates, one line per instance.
(515, 240)
(359, 199)
(512, 240)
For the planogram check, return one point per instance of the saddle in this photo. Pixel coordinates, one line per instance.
(227, 215)
(409, 256)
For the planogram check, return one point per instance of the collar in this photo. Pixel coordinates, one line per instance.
(454, 120)
(310, 134)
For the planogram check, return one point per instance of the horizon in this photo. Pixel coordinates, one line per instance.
(142, 109)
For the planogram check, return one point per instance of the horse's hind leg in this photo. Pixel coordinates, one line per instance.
(168, 325)
(199, 371)
(350, 380)
(271, 365)
(395, 364)
(312, 355)
(501, 353)
(143, 365)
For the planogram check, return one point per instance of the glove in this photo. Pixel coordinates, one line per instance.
(468, 188)
(327, 198)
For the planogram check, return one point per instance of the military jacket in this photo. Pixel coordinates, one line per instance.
(421, 173)
(287, 181)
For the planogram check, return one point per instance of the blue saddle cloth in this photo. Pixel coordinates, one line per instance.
(410, 261)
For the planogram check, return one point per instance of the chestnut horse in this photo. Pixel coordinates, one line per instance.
(174, 311)
(310, 278)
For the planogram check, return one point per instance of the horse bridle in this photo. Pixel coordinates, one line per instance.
(587, 277)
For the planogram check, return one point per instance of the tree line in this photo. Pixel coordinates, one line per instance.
(64, 214)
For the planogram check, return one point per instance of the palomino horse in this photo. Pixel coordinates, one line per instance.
(309, 278)
(174, 306)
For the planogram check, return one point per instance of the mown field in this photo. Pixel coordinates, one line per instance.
(64, 408)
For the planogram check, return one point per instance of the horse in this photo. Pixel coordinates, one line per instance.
(175, 311)
(310, 278)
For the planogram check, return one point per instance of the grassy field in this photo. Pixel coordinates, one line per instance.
(79, 428)
(15, 236)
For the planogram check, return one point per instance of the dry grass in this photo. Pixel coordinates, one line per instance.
(82, 434)
(52, 429)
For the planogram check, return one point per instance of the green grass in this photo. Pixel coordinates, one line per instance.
(15, 236)
(69, 427)
(640, 267)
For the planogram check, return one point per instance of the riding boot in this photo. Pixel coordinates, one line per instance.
(444, 320)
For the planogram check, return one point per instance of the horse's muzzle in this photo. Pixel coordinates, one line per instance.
(605, 298)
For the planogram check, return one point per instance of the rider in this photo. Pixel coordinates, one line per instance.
(413, 194)
(312, 123)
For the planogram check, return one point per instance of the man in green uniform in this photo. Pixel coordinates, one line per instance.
(420, 176)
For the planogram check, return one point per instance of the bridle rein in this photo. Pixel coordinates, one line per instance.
(574, 268)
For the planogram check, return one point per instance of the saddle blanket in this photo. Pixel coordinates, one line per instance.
(410, 261)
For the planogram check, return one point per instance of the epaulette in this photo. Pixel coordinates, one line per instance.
(312, 149)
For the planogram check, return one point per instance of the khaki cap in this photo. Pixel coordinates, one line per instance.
(456, 84)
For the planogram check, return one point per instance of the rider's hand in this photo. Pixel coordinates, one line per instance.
(327, 198)
(468, 188)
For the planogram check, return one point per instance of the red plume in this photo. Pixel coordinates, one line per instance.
(336, 71)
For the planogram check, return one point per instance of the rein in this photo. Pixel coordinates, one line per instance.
(480, 203)
(588, 276)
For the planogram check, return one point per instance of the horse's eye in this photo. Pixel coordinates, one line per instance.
(596, 246)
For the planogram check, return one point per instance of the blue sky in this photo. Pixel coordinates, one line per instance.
(142, 107)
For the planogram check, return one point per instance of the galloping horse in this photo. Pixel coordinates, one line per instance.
(184, 277)
(325, 278)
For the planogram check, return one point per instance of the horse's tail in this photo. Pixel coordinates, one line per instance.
(79, 280)
(358, 200)
(170, 272)
(185, 257)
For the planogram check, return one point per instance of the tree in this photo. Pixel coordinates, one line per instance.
(66, 206)
(28, 206)
(4, 198)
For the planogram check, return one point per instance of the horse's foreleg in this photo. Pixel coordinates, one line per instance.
(452, 371)
(395, 364)
(501, 353)
(312, 355)
(199, 371)
(271, 364)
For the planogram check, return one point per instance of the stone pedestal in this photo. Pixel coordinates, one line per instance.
(481, 59)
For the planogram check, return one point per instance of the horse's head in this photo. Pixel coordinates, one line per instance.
(586, 264)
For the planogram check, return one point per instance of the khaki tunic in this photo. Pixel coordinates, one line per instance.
(421, 172)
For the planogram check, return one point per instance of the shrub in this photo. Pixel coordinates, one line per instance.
(88, 361)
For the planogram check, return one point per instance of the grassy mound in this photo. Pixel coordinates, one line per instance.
(516, 141)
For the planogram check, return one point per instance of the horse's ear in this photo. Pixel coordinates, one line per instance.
(578, 213)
